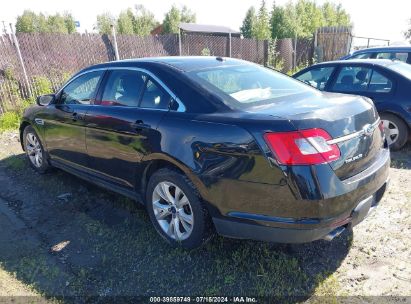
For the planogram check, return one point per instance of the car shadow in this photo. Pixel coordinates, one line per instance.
(402, 159)
(74, 241)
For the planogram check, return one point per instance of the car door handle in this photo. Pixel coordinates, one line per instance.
(139, 125)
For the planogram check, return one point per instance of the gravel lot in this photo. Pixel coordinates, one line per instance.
(61, 237)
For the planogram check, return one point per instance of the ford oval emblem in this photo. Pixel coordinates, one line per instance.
(368, 129)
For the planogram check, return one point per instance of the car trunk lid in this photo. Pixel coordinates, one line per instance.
(351, 121)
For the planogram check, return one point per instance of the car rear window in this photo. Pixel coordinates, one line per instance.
(248, 85)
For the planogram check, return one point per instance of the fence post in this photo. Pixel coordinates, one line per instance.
(16, 43)
(295, 53)
(229, 44)
(266, 51)
(113, 31)
(179, 41)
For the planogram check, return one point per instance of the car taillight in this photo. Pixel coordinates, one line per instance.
(304, 147)
(381, 126)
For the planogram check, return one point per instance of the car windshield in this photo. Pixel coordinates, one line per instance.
(402, 68)
(248, 85)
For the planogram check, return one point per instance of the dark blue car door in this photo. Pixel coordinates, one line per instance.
(365, 80)
(122, 126)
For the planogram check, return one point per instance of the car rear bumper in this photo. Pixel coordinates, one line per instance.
(372, 183)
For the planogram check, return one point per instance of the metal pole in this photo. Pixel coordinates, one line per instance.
(229, 44)
(16, 43)
(295, 53)
(113, 31)
(179, 41)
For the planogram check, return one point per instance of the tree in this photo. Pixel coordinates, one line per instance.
(125, 22)
(56, 24)
(174, 16)
(30, 22)
(27, 22)
(304, 17)
(249, 23)
(104, 22)
(141, 23)
(407, 33)
(144, 21)
(262, 26)
(335, 15)
(69, 22)
(278, 23)
(187, 15)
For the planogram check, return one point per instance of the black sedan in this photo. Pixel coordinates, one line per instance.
(214, 144)
(386, 82)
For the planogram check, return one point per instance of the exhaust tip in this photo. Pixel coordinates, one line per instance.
(336, 232)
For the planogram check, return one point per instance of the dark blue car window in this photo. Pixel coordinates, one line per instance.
(317, 77)
(123, 88)
(361, 79)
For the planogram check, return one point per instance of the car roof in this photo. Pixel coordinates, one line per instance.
(379, 62)
(391, 48)
(181, 63)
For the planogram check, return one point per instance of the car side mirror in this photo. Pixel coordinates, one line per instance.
(45, 100)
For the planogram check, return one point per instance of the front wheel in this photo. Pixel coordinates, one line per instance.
(34, 150)
(175, 209)
(396, 131)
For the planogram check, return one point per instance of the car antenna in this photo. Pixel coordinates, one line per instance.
(220, 58)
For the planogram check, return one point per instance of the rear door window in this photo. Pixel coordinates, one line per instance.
(352, 79)
(379, 83)
(123, 88)
(317, 77)
(154, 97)
(361, 79)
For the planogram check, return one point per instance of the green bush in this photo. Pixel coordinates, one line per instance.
(42, 85)
(9, 121)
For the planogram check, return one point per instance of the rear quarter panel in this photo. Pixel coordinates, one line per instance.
(224, 161)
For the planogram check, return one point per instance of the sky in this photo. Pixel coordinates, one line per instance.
(371, 18)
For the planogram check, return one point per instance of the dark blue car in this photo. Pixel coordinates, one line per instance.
(386, 82)
(401, 53)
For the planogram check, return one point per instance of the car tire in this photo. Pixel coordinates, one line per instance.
(396, 131)
(35, 152)
(176, 210)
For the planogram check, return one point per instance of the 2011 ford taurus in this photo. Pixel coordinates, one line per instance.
(215, 144)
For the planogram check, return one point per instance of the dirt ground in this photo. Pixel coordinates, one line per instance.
(63, 239)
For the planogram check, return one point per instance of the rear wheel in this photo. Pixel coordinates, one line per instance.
(175, 209)
(34, 150)
(396, 131)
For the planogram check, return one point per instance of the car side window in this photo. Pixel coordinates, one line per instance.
(401, 57)
(123, 88)
(362, 56)
(82, 89)
(154, 97)
(317, 77)
(386, 55)
(379, 83)
(352, 79)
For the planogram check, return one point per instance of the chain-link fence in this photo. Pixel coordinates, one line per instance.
(47, 60)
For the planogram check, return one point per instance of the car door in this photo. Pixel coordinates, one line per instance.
(64, 122)
(317, 76)
(369, 81)
(122, 127)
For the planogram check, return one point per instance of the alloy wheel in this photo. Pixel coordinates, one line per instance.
(34, 150)
(391, 131)
(173, 211)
